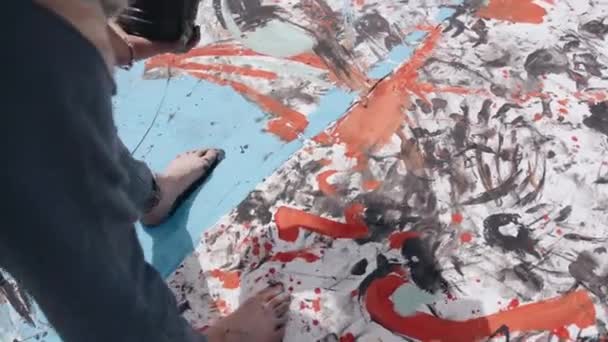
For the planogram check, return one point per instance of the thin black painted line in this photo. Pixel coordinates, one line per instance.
(160, 106)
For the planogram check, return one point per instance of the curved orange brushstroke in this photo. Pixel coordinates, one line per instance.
(573, 308)
(396, 240)
(229, 69)
(290, 220)
(286, 257)
(230, 280)
(324, 186)
(517, 11)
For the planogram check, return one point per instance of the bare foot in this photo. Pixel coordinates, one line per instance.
(260, 319)
(185, 170)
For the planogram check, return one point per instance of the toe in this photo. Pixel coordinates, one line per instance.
(281, 309)
(280, 299)
(270, 292)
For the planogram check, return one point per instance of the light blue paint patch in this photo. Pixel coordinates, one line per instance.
(408, 298)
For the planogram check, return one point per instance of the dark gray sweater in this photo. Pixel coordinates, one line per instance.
(67, 232)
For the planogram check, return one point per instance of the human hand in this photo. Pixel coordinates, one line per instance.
(130, 48)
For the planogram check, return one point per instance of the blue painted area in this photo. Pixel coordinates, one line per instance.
(194, 114)
(185, 113)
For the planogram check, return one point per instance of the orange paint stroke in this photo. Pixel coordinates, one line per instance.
(517, 11)
(192, 68)
(286, 257)
(230, 280)
(310, 60)
(396, 240)
(371, 122)
(573, 308)
(290, 220)
(316, 305)
(371, 185)
(324, 186)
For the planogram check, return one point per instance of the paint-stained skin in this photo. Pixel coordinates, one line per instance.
(473, 177)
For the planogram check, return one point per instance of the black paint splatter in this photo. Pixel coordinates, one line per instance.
(359, 268)
(255, 206)
(423, 266)
(522, 243)
(599, 117)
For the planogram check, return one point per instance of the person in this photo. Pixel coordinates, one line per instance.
(74, 192)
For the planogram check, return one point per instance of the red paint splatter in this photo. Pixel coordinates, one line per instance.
(230, 280)
(466, 237)
(289, 221)
(559, 231)
(513, 304)
(574, 138)
(457, 218)
(396, 240)
(518, 11)
(318, 290)
(324, 185)
(315, 322)
(538, 117)
(573, 308)
(562, 333)
(348, 337)
(272, 271)
(268, 246)
(286, 257)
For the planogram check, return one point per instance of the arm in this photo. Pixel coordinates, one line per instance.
(67, 232)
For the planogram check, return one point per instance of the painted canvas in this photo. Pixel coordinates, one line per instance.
(431, 170)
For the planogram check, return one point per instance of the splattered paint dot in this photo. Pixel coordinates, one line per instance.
(559, 231)
(348, 337)
(514, 303)
(268, 246)
(290, 289)
(466, 237)
(574, 138)
(317, 290)
(457, 218)
(315, 322)
(538, 117)
(272, 271)
(562, 333)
